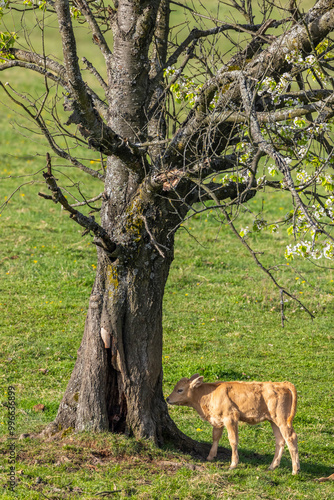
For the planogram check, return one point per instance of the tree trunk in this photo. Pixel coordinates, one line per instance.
(116, 383)
(117, 380)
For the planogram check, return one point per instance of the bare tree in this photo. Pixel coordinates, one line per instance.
(181, 124)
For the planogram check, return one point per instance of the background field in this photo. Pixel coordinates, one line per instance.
(221, 319)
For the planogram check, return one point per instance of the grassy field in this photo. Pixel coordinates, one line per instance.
(221, 319)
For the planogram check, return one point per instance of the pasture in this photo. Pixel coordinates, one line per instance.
(222, 320)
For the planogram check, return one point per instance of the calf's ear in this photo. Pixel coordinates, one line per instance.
(195, 382)
(193, 377)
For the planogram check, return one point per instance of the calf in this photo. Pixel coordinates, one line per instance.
(225, 403)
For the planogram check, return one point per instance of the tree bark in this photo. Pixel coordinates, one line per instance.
(116, 383)
(117, 380)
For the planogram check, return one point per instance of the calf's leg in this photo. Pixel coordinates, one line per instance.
(232, 432)
(216, 435)
(279, 447)
(291, 440)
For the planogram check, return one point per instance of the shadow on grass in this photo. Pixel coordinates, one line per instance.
(312, 469)
(254, 459)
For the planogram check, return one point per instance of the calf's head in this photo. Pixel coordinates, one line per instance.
(182, 392)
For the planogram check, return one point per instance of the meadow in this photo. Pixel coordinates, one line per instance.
(222, 319)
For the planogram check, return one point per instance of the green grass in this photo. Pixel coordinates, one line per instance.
(221, 319)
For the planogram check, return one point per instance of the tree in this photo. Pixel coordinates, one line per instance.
(180, 127)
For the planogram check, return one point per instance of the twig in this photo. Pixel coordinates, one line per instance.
(253, 254)
(155, 243)
(15, 191)
(94, 72)
(86, 202)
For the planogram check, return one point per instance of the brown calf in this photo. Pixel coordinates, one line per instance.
(225, 403)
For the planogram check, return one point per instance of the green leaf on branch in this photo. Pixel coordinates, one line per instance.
(7, 40)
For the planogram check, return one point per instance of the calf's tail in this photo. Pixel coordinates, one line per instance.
(293, 391)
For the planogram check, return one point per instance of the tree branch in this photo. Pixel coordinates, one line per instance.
(39, 60)
(161, 33)
(87, 202)
(86, 222)
(94, 72)
(33, 67)
(253, 254)
(100, 136)
(238, 192)
(270, 61)
(304, 96)
(265, 270)
(170, 179)
(98, 37)
(268, 149)
(73, 73)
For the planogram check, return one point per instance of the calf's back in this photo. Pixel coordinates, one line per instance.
(251, 402)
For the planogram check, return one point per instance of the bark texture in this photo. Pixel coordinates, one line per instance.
(117, 380)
